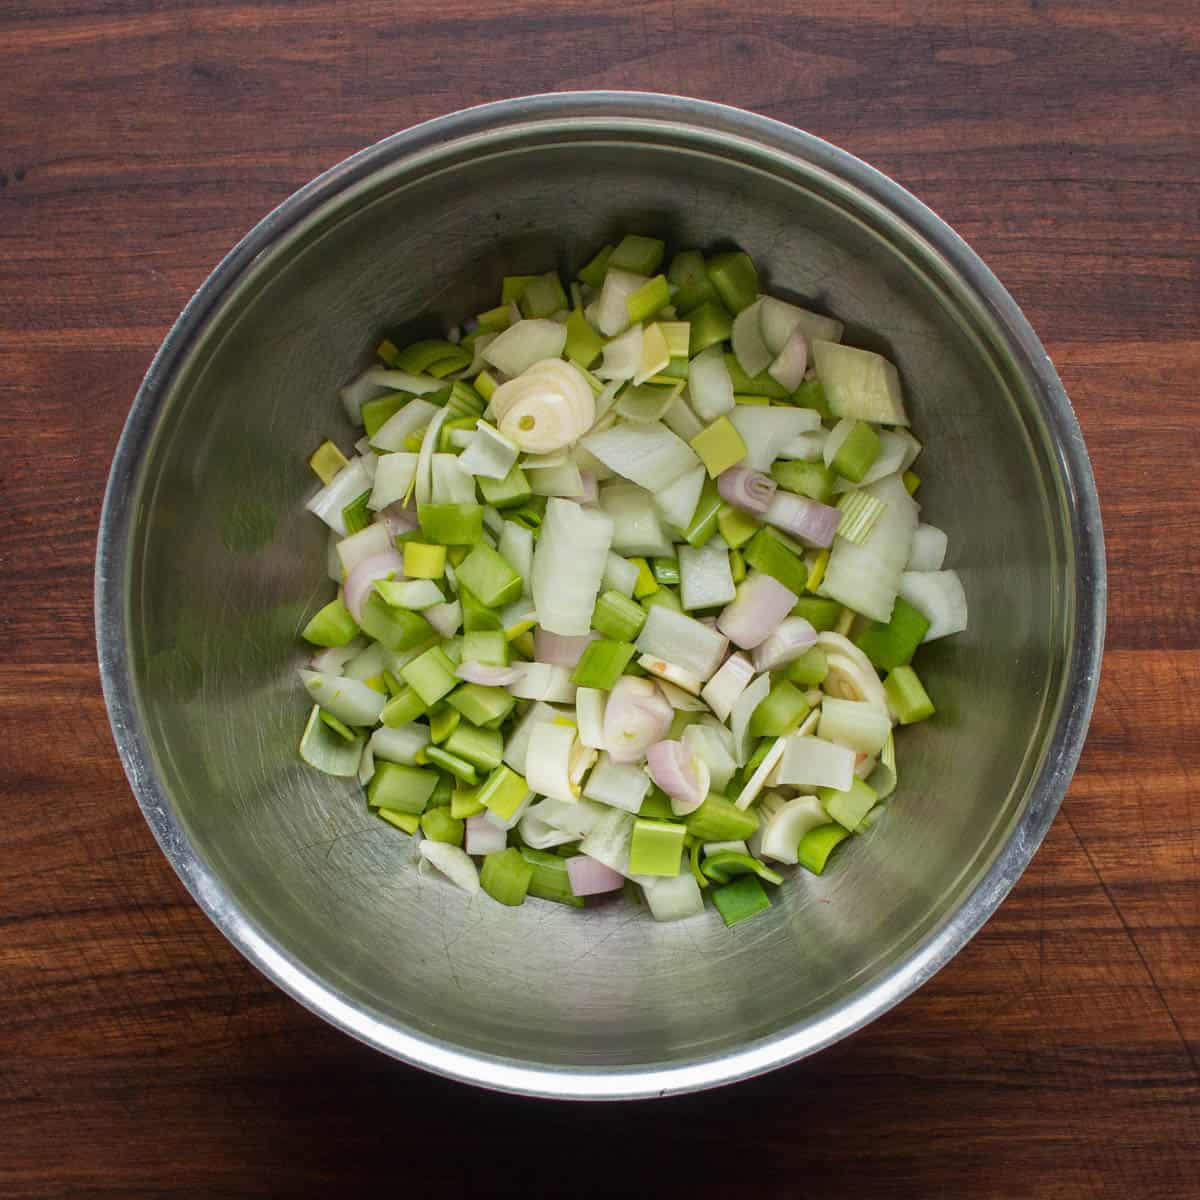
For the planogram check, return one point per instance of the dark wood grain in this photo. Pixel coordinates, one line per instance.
(1055, 1057)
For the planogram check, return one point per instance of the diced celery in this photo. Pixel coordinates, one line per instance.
(602, 664)
(593, 273)
(893, 645)
(503, 792)
(356, 516)
(735, 278)
(485, 385)
(768, 552)
(583, 342)
(550, 878)
(440, 825)
(857, 453)
(641, 255)
(513, 287)
(401, 788)
(812, 479)
(479, 704)
(818, 844)
(482, 748)
(740, 900)
(907, 696)
(408, 822)
(849, 807)
(506, 876)
(718, 819)
(489, 577)
(810, 394)
(442, 723)
(618, 617)
(543, 296)
(710, 324)
(430, 675)
(912, 481)
(745, 385)
(398, 629)
(688, 276)
(809, 669)
(464, 802)
(646, 584)
(404, 707)
(648, 299)
(458, 767)
(487, 646)
(666, 571)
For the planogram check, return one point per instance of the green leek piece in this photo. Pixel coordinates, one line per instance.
(332, 625)
(781, 711)
(442, 723)
(710, 324)
(656, 806)
(704, 520)
(593, 274)
(530, 514)
(477, 616)
(665, 596)
(376, 413)
(694, 853)
(430, 675)
(495, 320)
(464, 803)
(820, 613)
(735, 278)
(422, 357)
(423, 561)
(399, 629)
(737, 563)
(485, 385)
(487, 646)
(726, 865)
(656, 847)
(740, 900)
(522, 642)
(451, 524)
(506, 876)
(513, 287)
(391, 684)
(401, 788)
(718, 819)
(818, 844)
(465, 401)
(911, 481)
(812, 479)
(339, 727)
(509, 492)
(648, 299)
(482, 748)
(810, 394)
(458, 767)
(503, 792)
(857, 453)
(489, 577)
(387, 352)
(719, 446)
(757, 401)
(326, 461)
(403, 708)
(408, 593)
(907, 696)
(641, 255)
(441, 794)
(603, 663)
(893, 645)
(583, 342)
(849, 807)
(678, 335)
(439, 825)
(356, 515)
(666, 571)
(768, 552)
(551, 880)
(646, 584)
(745, 385)
(407, 822)
(543, 296)
(688, 276)
(809, 669)
(735, 526)
(646, 402)
(617, 617)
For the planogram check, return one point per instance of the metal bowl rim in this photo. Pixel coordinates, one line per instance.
(1063, 745)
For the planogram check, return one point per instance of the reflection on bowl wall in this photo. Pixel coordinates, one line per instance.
(209, 564)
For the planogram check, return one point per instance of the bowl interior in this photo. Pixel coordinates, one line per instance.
(224, 566)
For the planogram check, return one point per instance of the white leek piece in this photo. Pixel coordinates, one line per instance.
(517, 746)
(781, 834)
(705, 578)
(859, 384)
(378, 381)
(366, 543)
(809, 762)
(589, 716)
(622, 356)
(563, 480)
(751, 351)
(544, 681)
(620, 575)
(673, 898)
(928, 551)
(722, 691)
(637, 529)
(490, 454)
(655, 354)
(743, 710)
(451, 484)
(398, 428)
(612, 313)
(650, 455)
(619, 785)
(940, 597)
(327, 751)
(681, 640)
(677, 503)
(681, 420)
(423, 489)
(349, 700)
(757, 781)
(454, 863)
(780, 320)
(547, 407)
(548, 761)
(578, 818)
(346, 486)
(394, 476)
(712, 743)
(850, 675)
(710, 387)
(524, 343)
(853, 723)
(568, 565)
(401, 744)
(766, 430)
(515, 546)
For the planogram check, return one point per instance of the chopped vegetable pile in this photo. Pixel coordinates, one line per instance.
(630, 580)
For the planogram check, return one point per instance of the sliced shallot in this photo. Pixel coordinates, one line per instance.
(747, 489)
(682, 775)
(363, 576)
(637, 715)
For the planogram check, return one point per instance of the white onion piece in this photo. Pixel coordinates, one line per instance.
(793, 637)
(928, 551)
(543, 681)
(781, 835)
(589, 716)
(578, 818)
(394, 475)
(714, 744)
(806, 448)
(682, 420)
(940, 597)
(788, 368)
(591, 487)
(332, 660)
(677, 503)
(522, 344)
(619, 785)
(760, 607)
(452, 862)
(747, 489)
(487, 674)
(809, 520)
(612, 313)
(637, 715)
(650, 455)
(539, 834)
(682, 640)
(490, 454)
(548, 761)
(682, 775)
(751, 351)
(622, 356)
(559, 649)
(568, 565)
(721, 692)
(450, 482)
(636, 525)
(780, 320)
(517, 746)
(767, 430)
(620, 574)
(399, 427)
(363, 575)
(705, 576)
(743, 710)
(591, 878)
(710, 387)
(366, 543)
(483, 836)
(811, 762)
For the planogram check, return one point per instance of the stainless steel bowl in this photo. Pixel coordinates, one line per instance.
(207, 564)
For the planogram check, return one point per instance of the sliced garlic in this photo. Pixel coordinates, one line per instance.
(545, 408)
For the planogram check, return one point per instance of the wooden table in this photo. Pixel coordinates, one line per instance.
(141, 1056)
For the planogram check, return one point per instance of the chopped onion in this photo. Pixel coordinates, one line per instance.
(517, 746)
(450, 483)
(590, 486)
(333, 659)
(747, 489)
(650, 455)
(548, 761)
(543, 681)
(622, 356)
(780, 320)
(568, 565)
(619, 785)
(559, 650)
(939, 595)
(484, 836)
(397, 519)
(760, 607)
(721, 692)
(394, 475)
(452, 862)
(540, 834)
(682, 640)
(490, 454)
(752, 353)
(591, 878)
(637, 715)
(928, 551)
(709, 385)
(524, 343)
(366, 543)
(809, 520)
(680, 699)
(682, 775)
(897, 451)
(620, 574)
(487, 674)
(609, 838)
(767, 430)
(677, 503)
(363, 575)
(666, 672)
(578, 818)
(793, 637)
(757, 781)
(705, 576)
(788, 368)
(612, 313)
(680, 419)
(636, 525)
